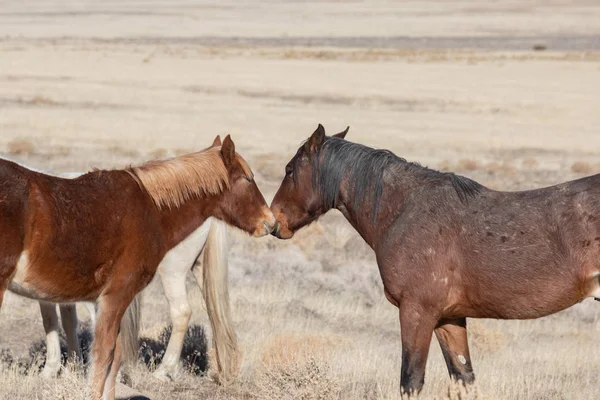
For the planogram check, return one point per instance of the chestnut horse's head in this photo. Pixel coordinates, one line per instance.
(242, 204)
(218, 178)
(297, 203)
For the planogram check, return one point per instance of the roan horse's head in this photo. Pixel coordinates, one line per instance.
(242, 204)
(297, 203)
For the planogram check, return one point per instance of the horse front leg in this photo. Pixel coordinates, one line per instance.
(111, 310)
(416, 325)
(111, 382)
(452, 336)
(53, 353)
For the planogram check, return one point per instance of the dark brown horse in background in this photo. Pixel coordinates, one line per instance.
(447, 247)
(101, 237)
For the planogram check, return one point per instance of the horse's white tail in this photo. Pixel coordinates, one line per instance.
(216, 296)
(130, 329)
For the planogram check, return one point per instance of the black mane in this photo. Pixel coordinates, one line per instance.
(365, 167)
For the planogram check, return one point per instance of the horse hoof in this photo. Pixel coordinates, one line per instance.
(49, 373)
(164, 375)
(124, 378)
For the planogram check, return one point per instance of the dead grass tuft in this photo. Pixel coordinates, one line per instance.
(309, 238)
(505, 168)
(41, 100)
(290, 348)
(21, 147)
(309, 380)
(158, 154)
(484, 338)
(581, 167)
(466, 164)
(123, 151)
(458, 391)
(181, 151)
(445, 166)
(530, 163)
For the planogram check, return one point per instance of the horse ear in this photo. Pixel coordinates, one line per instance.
(317, 139)
(342, 135)
(228, 151)
(217, 141)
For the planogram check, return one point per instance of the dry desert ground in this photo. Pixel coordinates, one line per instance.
(506, 93)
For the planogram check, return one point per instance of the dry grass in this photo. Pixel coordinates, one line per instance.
(310, 313)
(314, 324)
(308, 332)
(290, 348)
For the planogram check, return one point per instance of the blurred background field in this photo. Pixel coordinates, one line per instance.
(503, 92)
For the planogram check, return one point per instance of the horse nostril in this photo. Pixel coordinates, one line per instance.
(267, 227)
(275, 231)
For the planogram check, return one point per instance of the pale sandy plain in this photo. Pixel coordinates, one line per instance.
(454, 85)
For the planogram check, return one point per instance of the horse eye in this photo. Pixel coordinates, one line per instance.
(249, 179)
(288, 170)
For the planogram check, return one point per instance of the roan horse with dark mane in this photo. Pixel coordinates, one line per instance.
(101, 237)
(447, 247)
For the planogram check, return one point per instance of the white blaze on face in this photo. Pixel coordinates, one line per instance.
(462, 359)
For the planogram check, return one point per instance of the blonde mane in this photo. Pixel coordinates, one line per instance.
(172, 182)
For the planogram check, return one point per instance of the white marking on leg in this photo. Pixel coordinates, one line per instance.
(596, 293)
(180, 316)
(462, 359)
(91, 308)
(50, 320)
(172, 271)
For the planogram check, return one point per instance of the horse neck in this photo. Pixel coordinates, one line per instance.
(397, 188)
(177, 223)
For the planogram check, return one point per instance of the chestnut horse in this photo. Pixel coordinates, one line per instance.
(211, 275)
(447, 247)
(101, 237)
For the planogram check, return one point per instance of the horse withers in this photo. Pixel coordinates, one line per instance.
(447, 247)
(101, 237)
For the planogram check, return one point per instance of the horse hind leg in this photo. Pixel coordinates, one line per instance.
(53, 353)
(68, 318)
(452, 336)
(105, 351)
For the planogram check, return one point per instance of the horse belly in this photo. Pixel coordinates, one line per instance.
(527, 298)
(19, 282)
(27, 281)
